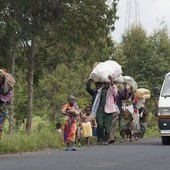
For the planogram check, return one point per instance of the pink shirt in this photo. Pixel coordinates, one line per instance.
(110, 106)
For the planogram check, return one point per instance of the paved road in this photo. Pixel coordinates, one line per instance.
(145, 154)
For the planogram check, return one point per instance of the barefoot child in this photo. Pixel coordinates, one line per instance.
(79, 120)
(89, 125)
(71, 111)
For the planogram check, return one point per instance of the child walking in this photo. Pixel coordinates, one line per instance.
(71, 111)
(89, 125)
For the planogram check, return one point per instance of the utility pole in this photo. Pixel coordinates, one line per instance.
(132, 14)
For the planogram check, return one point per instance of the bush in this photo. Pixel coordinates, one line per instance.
(21, 142)
(43, 136)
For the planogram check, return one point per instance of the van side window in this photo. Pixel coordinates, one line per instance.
(166, 87)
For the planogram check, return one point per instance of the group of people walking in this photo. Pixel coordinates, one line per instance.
(111, 105)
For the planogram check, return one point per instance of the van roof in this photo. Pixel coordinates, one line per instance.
(168, 74)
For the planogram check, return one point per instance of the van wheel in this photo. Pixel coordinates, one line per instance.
(166, 140)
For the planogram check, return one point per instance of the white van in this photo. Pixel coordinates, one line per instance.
(163, 111)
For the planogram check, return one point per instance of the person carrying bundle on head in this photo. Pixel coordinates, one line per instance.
(7, 83)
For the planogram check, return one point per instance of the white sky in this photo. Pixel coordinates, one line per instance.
(152, 13)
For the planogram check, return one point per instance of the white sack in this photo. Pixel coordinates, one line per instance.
(119, 79)
(131, 82)
(101, 72)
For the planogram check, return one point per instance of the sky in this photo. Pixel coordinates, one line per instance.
(152, 14)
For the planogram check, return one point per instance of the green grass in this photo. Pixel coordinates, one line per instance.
(38, 140)
(152, 129)
(42, 136)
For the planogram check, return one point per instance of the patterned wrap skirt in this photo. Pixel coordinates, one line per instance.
(70, 130)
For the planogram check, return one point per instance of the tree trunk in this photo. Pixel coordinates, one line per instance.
(11, 109)
(30, 86)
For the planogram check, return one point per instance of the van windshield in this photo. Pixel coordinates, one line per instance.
(166, 87)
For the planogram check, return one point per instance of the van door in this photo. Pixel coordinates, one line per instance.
(164, 111)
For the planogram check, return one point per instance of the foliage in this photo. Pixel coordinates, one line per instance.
(147, 55)
(43, 136)
(20, 142)
(152, 129)
(56, 87)
(135, 52)
(159, 51)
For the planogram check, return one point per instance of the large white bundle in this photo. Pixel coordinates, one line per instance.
(119, 79)
(101, 72)
(131, 82)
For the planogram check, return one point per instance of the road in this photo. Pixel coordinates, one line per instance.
(145, 154)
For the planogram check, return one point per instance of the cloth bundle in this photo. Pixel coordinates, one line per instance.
(8, 78)
(131, 83)
(119, 79)
(102, 70)
(142, 93)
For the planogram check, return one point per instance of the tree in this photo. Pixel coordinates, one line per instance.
(31, 18)
(158, 46)
(45, 36)
(135, 54)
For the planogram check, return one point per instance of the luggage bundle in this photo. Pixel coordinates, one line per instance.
(131, 83)
(8, 78)
(142, 93)
(102, 70)
(7, 85)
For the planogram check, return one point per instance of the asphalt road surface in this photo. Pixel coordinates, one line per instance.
(145, 154)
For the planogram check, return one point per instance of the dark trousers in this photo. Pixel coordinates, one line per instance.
(104, 122)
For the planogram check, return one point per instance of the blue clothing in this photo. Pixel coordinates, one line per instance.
(2, 117)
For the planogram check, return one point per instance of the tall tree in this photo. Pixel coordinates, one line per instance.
(9, 44)
(35, 15)
(135, 53)
(158, 46)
